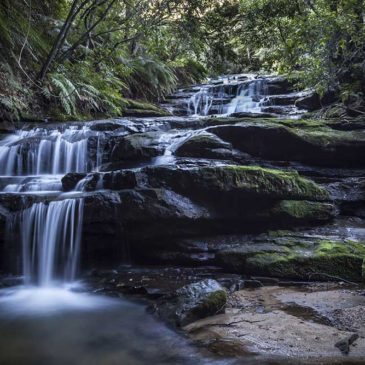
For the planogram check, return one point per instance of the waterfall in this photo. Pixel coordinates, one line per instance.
(212, 99)
(41, 151)
(50, 235)
(248, 99)
(201, 102)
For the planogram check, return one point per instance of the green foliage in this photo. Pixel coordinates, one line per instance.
(150, 78)
(87, 56)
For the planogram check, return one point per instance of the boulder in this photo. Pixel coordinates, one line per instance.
(149, 214)
(278, 85)
(317, 145)
(204, 145)
(241, 181)
(293, 256)
(70, 180)
(194, 301)
(309, 102)
(136, 147)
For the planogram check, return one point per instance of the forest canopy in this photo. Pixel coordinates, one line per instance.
(87, 57)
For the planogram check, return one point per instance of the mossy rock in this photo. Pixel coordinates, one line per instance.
(304, 211)
(251, 181)
(143, 109)
(299, 258)
(306, 141)
(199, 300)
(204, 145)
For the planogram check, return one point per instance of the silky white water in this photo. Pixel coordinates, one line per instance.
(50, 235)
(248, 98)
(48, 151)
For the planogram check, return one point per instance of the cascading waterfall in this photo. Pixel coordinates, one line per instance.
(50, 235)
(249, 98)
(201, 102)
(41, 151)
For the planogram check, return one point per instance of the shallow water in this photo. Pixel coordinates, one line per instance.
(48, 326)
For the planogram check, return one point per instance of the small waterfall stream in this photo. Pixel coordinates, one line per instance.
(47, 151)
(249, 96)
(33, 162)
(51, 237)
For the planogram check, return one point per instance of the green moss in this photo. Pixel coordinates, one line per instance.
(141, 105)
(326, 247)
(139, 108)
(299, 258)
(302, 123)
(297, 266)
(213, 303)
(276, 181)
(304, 210)
(252, 181)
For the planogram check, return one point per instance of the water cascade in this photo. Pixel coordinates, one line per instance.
(47, 151)
(50, 235)
(249, 98)
(201, 102)
(246, 94)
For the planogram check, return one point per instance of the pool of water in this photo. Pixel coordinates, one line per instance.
(48, 326)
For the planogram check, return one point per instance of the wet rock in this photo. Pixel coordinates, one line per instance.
(309, 102)
(278, 85)
(259, 323)
(194, 301)
(343, 308)
(303, 211)
(136, 147)
(70, 180)
(103, 238)
(205, 145)
(344, 344)
(152, 213)
(282, 100)
(3, 214)
(316, 145)
(297, 257)
(145, 113)
(243, 181)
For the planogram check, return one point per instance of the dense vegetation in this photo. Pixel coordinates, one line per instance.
(87, 57)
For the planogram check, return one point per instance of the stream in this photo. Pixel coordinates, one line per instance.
(51, 316)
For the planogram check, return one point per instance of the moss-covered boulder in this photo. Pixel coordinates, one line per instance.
(251, 181)
(303, 211)
(296, 257)
(204, 145)
(315, 143)
(194, 301)
(137, 108)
